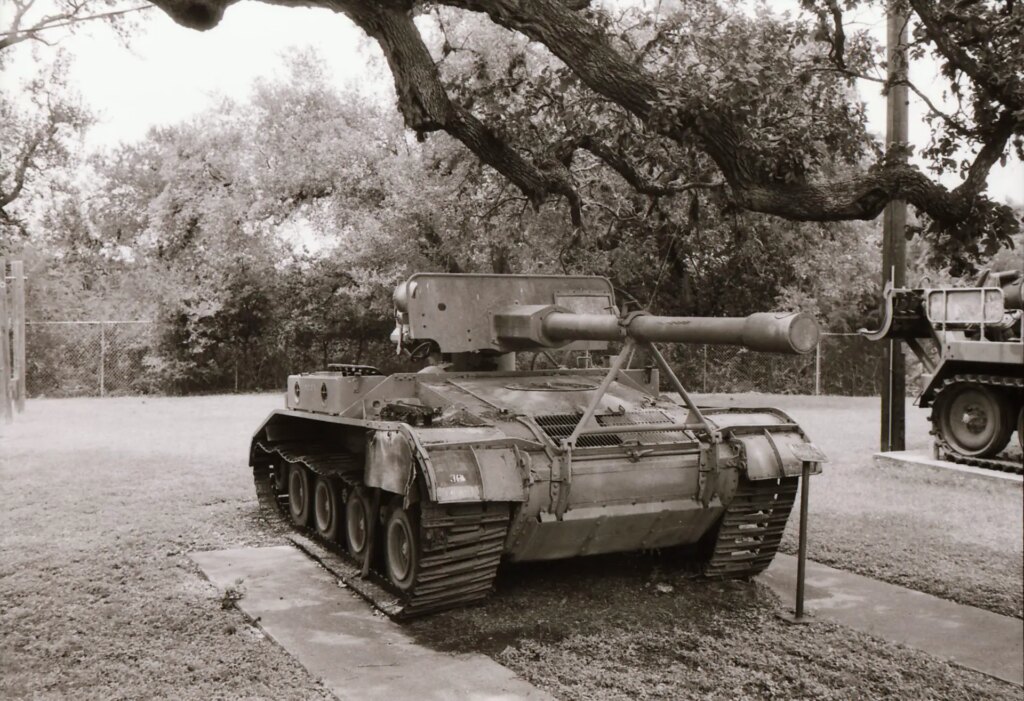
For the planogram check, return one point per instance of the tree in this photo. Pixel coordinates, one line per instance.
(38, 138)
(214, 213)
(41, 123)
(35, 20)
(717, 109)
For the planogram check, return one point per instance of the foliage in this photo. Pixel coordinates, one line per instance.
(709, 78)
(37, 144)
(44, 117)
(266, 236)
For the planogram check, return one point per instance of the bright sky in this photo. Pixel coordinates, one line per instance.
(170, 73)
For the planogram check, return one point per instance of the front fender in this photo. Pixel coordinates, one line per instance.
(767, 438)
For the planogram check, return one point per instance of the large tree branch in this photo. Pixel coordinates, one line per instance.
(24, 163)
(589, 52)
(988, 156)
(667, 109)
(426, 106)
(621, 165)
(958, 56)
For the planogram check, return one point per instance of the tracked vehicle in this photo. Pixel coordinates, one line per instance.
(428, 480)
(970, 345)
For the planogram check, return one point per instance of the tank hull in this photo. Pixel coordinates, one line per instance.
(496, 441)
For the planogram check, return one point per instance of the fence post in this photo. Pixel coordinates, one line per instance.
(103, 357)
(705, 373)
(6, 410)
(817, 366)
(18, 326)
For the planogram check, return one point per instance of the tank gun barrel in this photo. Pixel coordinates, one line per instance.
(775, 333)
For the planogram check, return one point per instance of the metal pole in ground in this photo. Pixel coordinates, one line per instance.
(704, 378)
(809, 455)
(801, 562)
(103, 357)
(18, 327)
(6, 409)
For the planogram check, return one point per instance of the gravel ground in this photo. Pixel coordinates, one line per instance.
(98, 598)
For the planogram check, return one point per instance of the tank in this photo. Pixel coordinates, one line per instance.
(969, 343)
(426, 481)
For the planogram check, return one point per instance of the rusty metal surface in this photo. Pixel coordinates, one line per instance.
(772, 442)
(478, 474)
(613, 529)
(389, 462)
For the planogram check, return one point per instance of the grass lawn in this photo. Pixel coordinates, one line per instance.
(106, 497)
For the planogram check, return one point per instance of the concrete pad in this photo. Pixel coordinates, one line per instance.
(923, 462)
(971, 637)
(358, 654)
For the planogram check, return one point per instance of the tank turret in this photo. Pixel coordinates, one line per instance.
(428, 480)
(507, 313)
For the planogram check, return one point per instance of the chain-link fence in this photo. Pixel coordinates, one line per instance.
(86, 358)
(100, 358)
(844, 364)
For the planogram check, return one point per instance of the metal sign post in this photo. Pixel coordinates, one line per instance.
(801, 559)
(808, 454)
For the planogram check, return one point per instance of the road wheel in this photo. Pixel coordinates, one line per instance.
(974, 420)
(402, 547)
(1020, 427)
(357, 522)
(300, 495)
(327, 508)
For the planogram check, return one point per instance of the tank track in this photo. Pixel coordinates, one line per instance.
(751, 529)
(461, 544)
(946, 451)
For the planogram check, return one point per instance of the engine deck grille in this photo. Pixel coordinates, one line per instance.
(559, 426)
(651, 416)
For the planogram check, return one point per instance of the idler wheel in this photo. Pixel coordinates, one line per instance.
(280, 476)
(300, 495)
(327, 509)
(402, 548)
(357, 522)
(974, 420)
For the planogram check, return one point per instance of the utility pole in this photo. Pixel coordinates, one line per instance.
(894, 240)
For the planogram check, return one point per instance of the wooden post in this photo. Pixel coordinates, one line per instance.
(6, 410)
(18, 327)
(894, 240)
